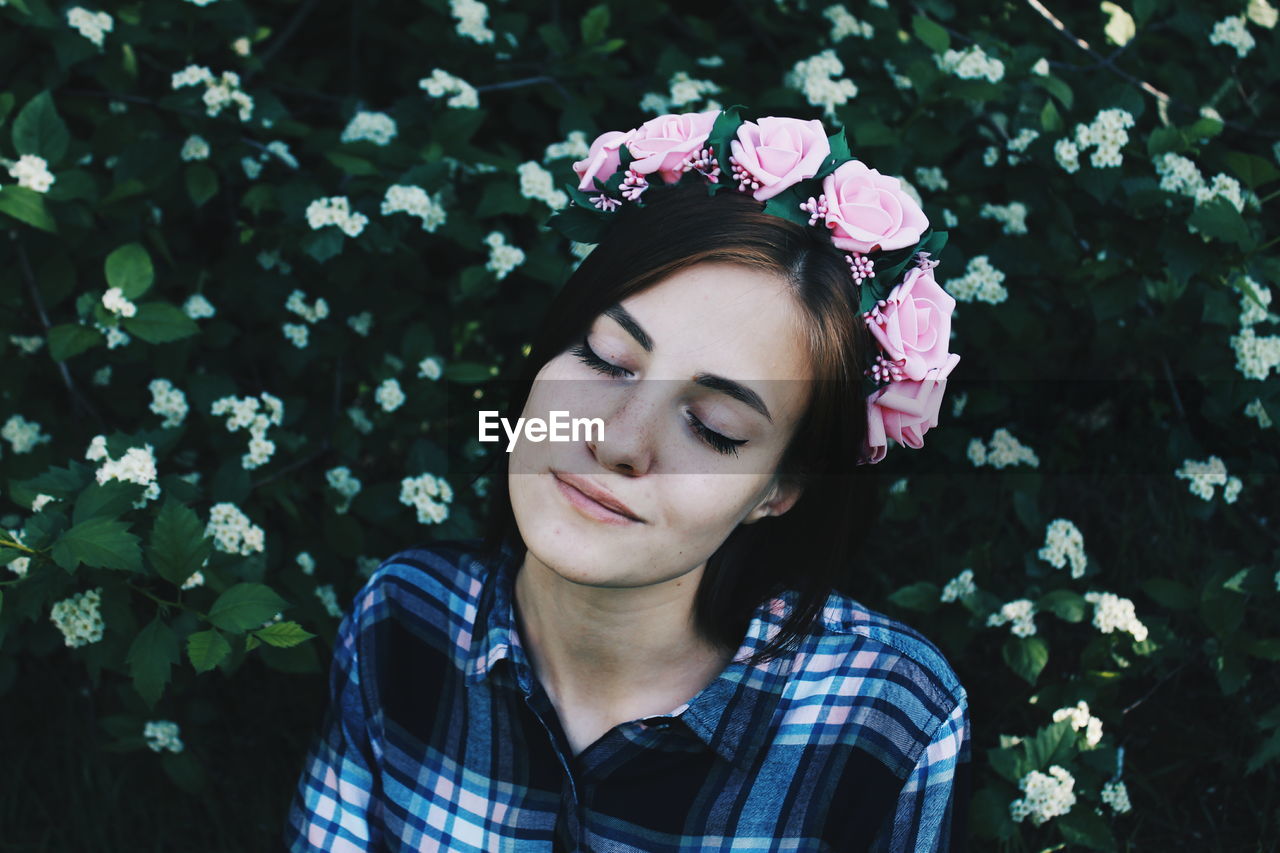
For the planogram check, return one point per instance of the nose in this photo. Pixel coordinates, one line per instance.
(630, 430)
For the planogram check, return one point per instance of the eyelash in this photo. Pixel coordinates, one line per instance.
(717, 442)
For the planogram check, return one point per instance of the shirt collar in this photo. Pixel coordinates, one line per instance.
(732, 715)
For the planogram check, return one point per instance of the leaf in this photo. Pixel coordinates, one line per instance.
(39, 130)
(1219, 218)
(1055, 743)
(1057, 88)
(151, 654)
(1268, 752)
(931, 33)
(324, 244)
(594, 24)
(109, 500)
(129, 268)
(103, 543)
(1050, 118)
(1026, 656)
(68, 339)
(245, 606)
(1267, 648)
(1252, 169)
(179, 546)
(251, 642)
(283, 635)
(26, 205)
(185, 771)
(160, 322)
(202, 183)
(466, 371)
(924, 597)
(1066, 604)
(206, 649)
(351, 164)
(1087, 828)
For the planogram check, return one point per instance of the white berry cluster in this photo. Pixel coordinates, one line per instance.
(23, 435)
(844, 24)
(378, 128)
(1063, 541)
(92, 25)
(503, 257)
(137, 465)
(817, 76)
(441, 83)
(471, 15)
(1047, 795)
(972, 63)
(168, 402)
(233, 532)
(429, 494)
(1019, 613)
(162, 735)
(329, 599)
(1012, 216)
(980, 281)
(959, 586)
(414, 200)
(32, 172)
(219, 92)
(244, 412)
(1081, 719)
(1004, 450)
(1115, 613)
(539, 184)
(336, 210)
(347, 486)
(197, 307)
(1201, 478)
(78, 618)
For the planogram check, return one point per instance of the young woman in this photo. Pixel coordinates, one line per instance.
(648, 651)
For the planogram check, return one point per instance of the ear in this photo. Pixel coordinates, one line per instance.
(781, 498)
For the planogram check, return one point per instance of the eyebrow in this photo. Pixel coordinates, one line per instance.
(713, 381)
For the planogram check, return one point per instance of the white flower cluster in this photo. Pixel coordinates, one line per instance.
(407, 198)
(297, 303)
(361, 323)
(972, 63)
(219, 91)
(196, 579)
(336, 210)
(342, 482)
(306, 562)
(138, 465)
(32, 172)
(429, 494)
(1114, 613)
(102, 376)
(575, 146)
(442, 83)
(389, 395)
(990, 155)
(1256, 356)
(1012, 216)
(162, 734)
(980, 281)
(18, 565)
(40, 501)
(360, 420)
(242, 46)
(1116, 795)
(1063, 541)
(844, 24)
(685, 90)
(1067, 155)
(329, 599)
(1203, 476)
(272, 260)
(78, 618)
(1232, 32)
(114, 301)
(232, 531)
(959, 586)
(92, 25)
(1018, 144)
(29, 344)
(197, 307)
(1254, 409)
(366, 566)
(1041, 68)
(1047, 795)
(23, 435)
(539, 184)
(244, 412)
(1180, 175)
(168, 402)
(1107, 134)
(1004, 450)
(1020, 613)
(958, 403)
(900, 81)
(378, 128)
(1252, 312)
(931, 178)
(116, 337)
(195, 148)
(1081, 719)
(430, 368)
(503, 257)
(471, 15)
(816, 78)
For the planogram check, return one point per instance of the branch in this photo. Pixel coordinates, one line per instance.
(285, 35)
(1162, 680)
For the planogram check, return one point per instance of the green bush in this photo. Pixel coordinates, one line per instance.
(262, 255)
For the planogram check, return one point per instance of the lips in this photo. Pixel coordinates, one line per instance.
(597, 494)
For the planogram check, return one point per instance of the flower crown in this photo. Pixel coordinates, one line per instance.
(804, 176)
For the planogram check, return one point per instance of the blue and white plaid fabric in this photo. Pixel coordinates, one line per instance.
(438, 736)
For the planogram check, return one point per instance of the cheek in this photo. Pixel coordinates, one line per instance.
(710, 506)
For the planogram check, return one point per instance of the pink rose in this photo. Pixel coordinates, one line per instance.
(866, 210)
(602, 160)
(663, 143)
(780, 152)
(904, 411)
(914, 326)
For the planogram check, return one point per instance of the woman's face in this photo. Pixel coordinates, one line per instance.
(735, 329)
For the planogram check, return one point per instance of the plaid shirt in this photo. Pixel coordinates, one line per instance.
(439, 736)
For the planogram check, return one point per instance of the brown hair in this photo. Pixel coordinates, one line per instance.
(809, 547)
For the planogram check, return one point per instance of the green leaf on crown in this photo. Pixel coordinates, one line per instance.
(786, 205)
(839, 155)
(722, 133)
